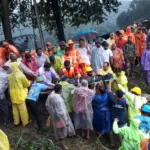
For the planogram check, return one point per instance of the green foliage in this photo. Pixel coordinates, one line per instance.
(39, 144)
(138, 11)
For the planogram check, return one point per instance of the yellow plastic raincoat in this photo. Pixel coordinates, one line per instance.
(134, 102)
(4, 143)
(18, 85)
(123, 81)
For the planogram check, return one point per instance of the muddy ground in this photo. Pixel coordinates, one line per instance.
(27, 138)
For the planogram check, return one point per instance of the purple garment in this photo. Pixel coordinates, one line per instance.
(145, 60)
(148, 76)
(48, 75)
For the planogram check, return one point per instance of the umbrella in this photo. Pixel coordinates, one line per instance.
(86, 34)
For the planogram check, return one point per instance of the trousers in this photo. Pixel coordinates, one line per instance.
(20, 114)
(35, 111)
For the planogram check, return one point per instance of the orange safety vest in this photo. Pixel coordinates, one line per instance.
(70, 73)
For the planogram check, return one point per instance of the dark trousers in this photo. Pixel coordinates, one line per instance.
(35, 111)
(4, 109)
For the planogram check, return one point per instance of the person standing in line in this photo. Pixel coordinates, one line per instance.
(111, 40)
(97, 58)
(120, 41)
(18, 87)
(82, 106)
(129, 51)
(41, 58)
(62, 124)
(145, 61)
(140, 44)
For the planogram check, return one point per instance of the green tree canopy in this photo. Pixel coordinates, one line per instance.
(138, 11)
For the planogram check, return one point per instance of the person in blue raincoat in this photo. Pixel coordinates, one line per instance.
(101, 118)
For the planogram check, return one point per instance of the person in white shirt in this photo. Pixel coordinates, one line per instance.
(84, 52)
(97, 59)
(107, 54)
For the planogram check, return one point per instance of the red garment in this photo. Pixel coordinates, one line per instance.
(120, 43)
(31, 65)
(2, 56)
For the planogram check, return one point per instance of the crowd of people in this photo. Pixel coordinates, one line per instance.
(109, 107)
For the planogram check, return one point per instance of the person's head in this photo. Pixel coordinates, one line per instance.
(128, 29)
(112, 36)
(39, 51)
(39, 79)
(62, 45)
(136, 91)
(12, 57)
(70, 44)
(113, 47)
(98, 43)
(120, 36)
(58, 89)
(119, 94)
(65, 78)
(84, 83)
(89, 71)
(54, 50)
(81, 42)
(145, 110)
(106, 66)
(118, 71)
(102, 90)
(105, 45)
(52, 59)
(22, 53)
(47, 66)
(28, 57)
(67, 51)
(5, 44)
(130, 39)
(148, 45)
(139, 30)
(49, 46)
(67, 64)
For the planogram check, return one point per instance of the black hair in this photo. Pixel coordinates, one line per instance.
(47, 65)
(107, 63)
(118, 70)
(38, 49)
(66, 63)
(105, 44)
(119, 93)
(57, 88)
(64, 78)
(67, 49)
(102, 89)
(27, 56)
(81, 39)
(52, 58)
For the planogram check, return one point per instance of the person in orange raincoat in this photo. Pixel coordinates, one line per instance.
(140, 43)
(82, 69)
(120, 41)
(48, 51)
(5, 51)
(73, 51)
(10, 49)
(129, 33)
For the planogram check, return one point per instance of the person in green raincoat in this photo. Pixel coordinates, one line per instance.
(135, 101)
(67, 95)
(132, 136)
(120, 75)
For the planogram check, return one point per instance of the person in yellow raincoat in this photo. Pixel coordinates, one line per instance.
(4, 143)
(120, 75)
(135, 101)
(18, 85)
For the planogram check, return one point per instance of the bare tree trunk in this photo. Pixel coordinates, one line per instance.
(6, 21)
(57, 16)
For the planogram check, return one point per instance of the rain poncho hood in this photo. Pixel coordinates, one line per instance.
(132, 136)
(18, 85)
(123, 81)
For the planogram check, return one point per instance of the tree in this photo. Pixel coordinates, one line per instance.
(138, 11)
(56, 13)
